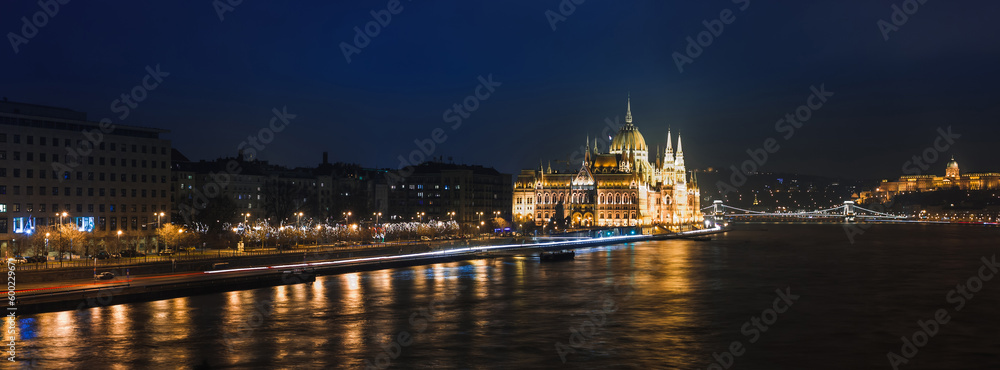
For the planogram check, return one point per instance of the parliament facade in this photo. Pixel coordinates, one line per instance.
(618, 188)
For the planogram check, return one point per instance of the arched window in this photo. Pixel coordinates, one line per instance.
(539, 199)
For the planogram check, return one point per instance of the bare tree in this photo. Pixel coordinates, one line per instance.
(68, 238)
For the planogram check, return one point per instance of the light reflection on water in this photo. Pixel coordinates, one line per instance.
(689, 300)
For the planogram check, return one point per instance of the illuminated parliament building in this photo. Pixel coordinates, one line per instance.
(618, 188)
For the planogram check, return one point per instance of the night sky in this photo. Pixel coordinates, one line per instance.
(556, 86)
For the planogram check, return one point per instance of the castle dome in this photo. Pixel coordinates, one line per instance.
(952, 164)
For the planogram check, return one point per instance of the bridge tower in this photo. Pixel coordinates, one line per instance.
(717, 216)
(849, 211)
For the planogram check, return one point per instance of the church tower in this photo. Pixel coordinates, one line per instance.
(679, 169)
(668, 162)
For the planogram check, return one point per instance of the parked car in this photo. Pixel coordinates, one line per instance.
(36, 259)
(107, 275)
(166, 252)
(132, 253)
(102, 255)
(425, 238)
(16, 259)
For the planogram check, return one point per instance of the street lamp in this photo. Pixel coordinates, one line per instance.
(420, 216)
(61, 215)
(298, 218)
(347, 217)
(158, 215)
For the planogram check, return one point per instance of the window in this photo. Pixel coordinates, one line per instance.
(3, 154)
(17, 156)
(17, 139)
(31, 140)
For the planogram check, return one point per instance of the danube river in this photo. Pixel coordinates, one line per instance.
(759, 297)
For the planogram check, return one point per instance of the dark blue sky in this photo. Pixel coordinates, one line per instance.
(938, 69)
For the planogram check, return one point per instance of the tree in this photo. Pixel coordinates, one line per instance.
(217, 214)
(37, 241)
(68, 238)
(282, 199)
(170, 234)
(19, 243)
